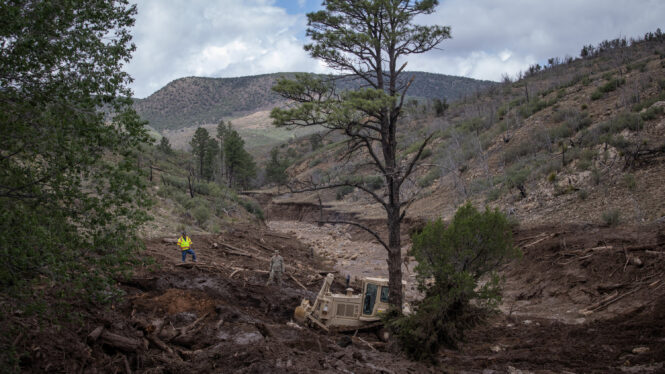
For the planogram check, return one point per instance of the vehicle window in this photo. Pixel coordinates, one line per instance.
(384, 294)
(370, 298)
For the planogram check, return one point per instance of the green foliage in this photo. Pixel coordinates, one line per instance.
(516, 177)
(629, 181)
(597, 95)
(343, 191)
(611, 85)
(201, 213)
(71, 196)
(252, 207)
(611, 217)
(652, 113)
(649, 102)
(165, 146)
(582, 194)
(533, 107)
(451, 262)
(429, 178)
(276, 168)
(240, 165)
(199, 145)
(440, 107)
(210, 163)
(518, 150)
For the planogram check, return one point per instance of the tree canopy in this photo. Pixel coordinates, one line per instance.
(70, 194)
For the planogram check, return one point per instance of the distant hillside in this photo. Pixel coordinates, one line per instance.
(193, 101)
(581, 140)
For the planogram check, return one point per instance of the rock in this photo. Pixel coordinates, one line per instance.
(358, 356)
(355, 256)
(636, 261)
(640, 350)
(496, 348)
(344, 341)
(215, 245)
(247, 334)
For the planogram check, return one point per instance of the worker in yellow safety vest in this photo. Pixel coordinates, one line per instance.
(185, 243)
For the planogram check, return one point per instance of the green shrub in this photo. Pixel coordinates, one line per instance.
(551, 177)
(629, 181)
(451, 262)
(532, 107)
(517, 151)
(252, 207)
(494, 194)
(612, 85)
(343, 191)
(652, 113)
(597, 95)
(201, 213)
(649, 102)
(426, 153)
(582, 194)
(374, 182)
(611, 217)
(429, 178)
(516, 177)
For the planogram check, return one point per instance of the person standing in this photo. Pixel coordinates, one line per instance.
(276, 269)
(185, 243)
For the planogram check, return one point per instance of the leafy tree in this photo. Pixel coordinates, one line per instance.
(276, 168)
(240, 166)
(165, 146)
(440, 107)
(366, 39)
(210, 159)
(451, 262)
(222, 130)
(199, 144)
(70, 191)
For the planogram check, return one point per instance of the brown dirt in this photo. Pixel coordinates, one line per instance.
(239, 325)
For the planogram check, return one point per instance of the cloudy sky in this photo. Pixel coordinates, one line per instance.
(230, 38)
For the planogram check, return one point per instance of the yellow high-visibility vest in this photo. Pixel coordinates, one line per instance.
(184, 243)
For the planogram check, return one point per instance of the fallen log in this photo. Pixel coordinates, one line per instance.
(121, 342)
(295, 280)
(366, 342)
(278, 235)
(94, 335)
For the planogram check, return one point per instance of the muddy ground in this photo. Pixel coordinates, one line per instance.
(583, 299)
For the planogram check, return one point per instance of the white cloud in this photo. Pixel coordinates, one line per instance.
(494, 35)
(216, 38)
(224, 38)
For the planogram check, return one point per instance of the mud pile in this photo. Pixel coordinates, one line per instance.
(578, 301)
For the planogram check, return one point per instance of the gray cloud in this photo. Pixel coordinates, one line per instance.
(492, 37)
(225, 38)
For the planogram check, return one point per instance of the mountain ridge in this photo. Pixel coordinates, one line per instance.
(192, 101)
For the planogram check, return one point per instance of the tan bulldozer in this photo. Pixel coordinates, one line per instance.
(346, 312)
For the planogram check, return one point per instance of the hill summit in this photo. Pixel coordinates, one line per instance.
(194, 101)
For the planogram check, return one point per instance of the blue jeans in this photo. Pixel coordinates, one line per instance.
(191, 252)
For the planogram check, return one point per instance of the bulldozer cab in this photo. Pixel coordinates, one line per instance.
(375, 296)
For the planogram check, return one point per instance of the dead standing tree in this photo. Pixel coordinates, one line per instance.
(366, 40)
